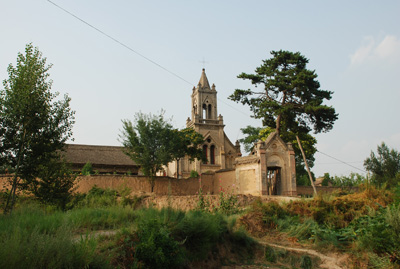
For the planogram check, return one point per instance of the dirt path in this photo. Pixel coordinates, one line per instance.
(327, 261)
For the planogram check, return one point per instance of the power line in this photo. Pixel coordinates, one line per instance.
(119, 42)
(342, 162)
(136, 52)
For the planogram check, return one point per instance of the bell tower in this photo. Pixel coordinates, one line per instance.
(218, 150)
(204, 103)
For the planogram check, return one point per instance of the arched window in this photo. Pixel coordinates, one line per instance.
(205, 148)
(212, 154)
(204, 111)
(209, 112)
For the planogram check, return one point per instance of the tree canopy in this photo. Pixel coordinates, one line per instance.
(35, 123)
(385, 166)
(186, 142)
(290, 101)
(291, 98)
(152, 142)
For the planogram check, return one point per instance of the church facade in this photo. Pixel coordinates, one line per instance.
(268, 170)
(218, 150)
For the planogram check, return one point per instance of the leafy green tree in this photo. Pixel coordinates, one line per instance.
(35, 124)
(56, 184)
(291, 100)
(252, 135)
(385, 165)
(354, 179)
(147, 142)
(186, 142)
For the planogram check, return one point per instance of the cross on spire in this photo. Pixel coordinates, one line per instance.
(204, 63)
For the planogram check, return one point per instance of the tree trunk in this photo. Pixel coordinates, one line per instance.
(278, 124)
(305, 162)
(177, 168)
(9, 207)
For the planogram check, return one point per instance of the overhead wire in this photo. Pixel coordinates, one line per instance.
(346, 163)
(134, 51)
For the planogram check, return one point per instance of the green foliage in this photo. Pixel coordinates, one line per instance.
(194, 174)
(87, 169)
(305, 262)
(156, 247)
(56, 184)
(97, 197)
(290, 102)
(308, 143)
(186, 142)
(34, 125)
(200, 231)
(302, 180)
(326, 180)
(352, 180)
(252, 135)
(385, 166)
(147, 142)
(172, 235)
(228, 203)
(30, 238)
(292, 95)
(270, 254)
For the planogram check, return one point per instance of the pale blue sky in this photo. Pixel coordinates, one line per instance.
(354, 46)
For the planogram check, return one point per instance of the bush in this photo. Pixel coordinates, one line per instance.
(194, 174)
(200, 231)
(87, 169)
(97, 197)
(56, 184)
(270, 254)
(156, 247)
(305, 262)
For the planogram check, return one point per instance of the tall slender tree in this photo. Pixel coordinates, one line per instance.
(290, 99)
(34, 124)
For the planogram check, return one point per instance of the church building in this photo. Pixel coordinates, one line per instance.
(218, 150)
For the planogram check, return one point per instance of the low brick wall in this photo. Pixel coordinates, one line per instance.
(137, 184)
(162, 185)
(225, 181)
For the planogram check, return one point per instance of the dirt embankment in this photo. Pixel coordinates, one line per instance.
(190, 202)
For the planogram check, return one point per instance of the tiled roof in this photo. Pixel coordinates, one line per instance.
(96, 155)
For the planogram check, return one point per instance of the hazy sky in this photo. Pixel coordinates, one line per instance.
(354, 46)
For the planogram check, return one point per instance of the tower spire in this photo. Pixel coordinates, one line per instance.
(203, 80)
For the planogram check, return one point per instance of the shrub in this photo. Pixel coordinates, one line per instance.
(200, 231)
(56, 184)
(305, 262)
(156, 247)
(227, 203)
(194, 174)
(97, 197)
(272, 212)
(270, 254)
(87, 169)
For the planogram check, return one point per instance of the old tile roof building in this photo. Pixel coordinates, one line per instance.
(104, 159)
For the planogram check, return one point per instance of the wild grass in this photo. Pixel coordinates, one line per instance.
(366, 222)
(40, 236)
